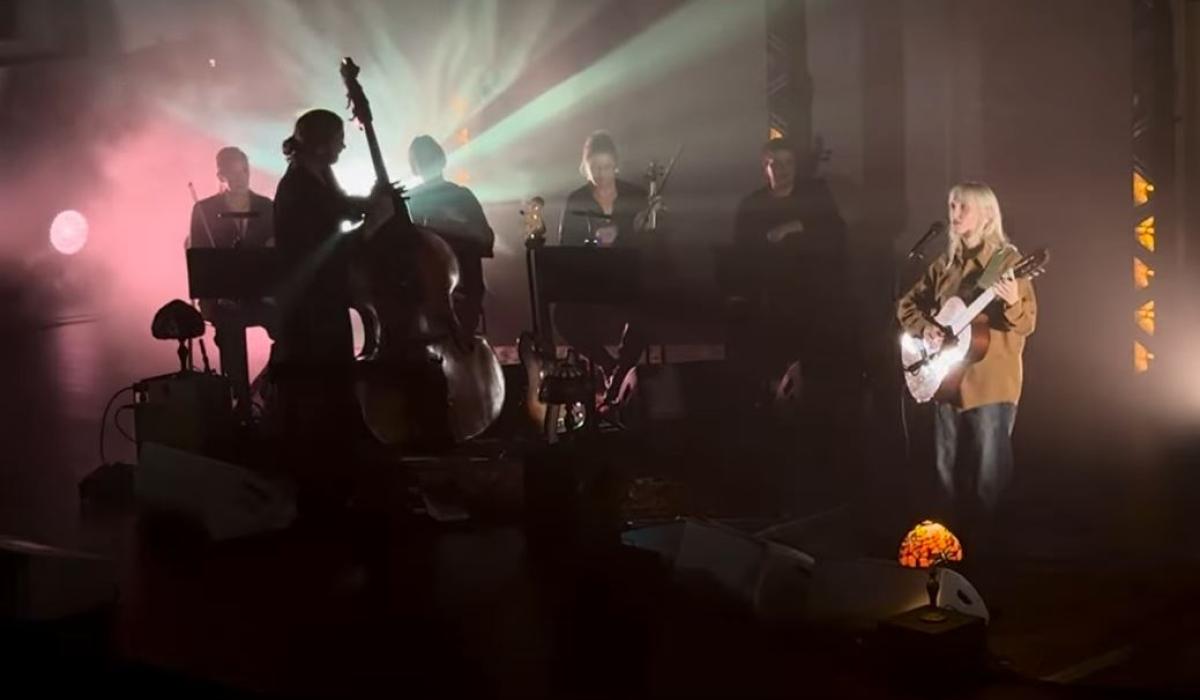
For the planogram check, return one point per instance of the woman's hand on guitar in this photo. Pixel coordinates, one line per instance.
(934, 337)
(1006, 289)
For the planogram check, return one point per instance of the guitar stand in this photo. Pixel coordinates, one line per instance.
(569, 383)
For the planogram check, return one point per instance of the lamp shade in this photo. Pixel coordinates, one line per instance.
(929, 544)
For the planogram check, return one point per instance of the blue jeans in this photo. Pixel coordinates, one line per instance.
(974, 458)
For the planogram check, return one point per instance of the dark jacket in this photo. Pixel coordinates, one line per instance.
(260, 229)
(226, 232)
(456, 215)
(810, 262)
(801, 282)
(314, 294)
(453, 212)
(574, 228)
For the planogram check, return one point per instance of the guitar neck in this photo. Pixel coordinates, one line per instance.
(981, 302)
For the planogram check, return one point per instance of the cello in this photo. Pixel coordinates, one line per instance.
(421, 379)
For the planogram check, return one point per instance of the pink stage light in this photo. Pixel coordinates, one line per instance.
(69, 232)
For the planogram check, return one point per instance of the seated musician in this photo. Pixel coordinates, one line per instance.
(454, 213)
(603, 212)
(235, 217)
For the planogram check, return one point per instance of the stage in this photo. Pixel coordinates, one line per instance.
(829, 195)
(1085, 590)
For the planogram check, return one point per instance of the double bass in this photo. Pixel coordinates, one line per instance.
(422, 379)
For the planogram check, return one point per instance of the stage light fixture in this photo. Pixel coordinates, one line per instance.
(1142, 358)
(1144, 317)
(1142, 274)
(1146, 233)
(69, 232)
(1143, 189)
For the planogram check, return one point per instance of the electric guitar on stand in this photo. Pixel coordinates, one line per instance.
(561, 394)
(536, 349)
(531, 346)
(937, 372)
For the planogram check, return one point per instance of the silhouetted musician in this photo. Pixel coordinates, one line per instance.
(604, 212)
(235, 218)
(454, 213)
(789, 269)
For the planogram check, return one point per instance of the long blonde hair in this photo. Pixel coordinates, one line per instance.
(981, 197)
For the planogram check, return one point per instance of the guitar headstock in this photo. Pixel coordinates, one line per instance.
(1032, 265)
(531, 215)
(655, 172)
(360, 107)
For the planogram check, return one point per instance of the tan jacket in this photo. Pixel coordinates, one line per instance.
(997, 377)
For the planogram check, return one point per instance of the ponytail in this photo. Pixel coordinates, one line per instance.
(291, 146)
(316, 126)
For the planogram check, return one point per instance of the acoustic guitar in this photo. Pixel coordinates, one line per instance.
(936, 373)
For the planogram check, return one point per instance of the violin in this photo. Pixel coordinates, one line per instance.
(656, 181)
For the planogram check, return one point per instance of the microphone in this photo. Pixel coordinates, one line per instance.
(935, 229)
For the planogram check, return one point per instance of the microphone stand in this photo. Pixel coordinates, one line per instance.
(900, 269)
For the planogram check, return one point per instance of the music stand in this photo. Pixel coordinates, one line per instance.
(588, 275)
(233, 273)
(582, 275)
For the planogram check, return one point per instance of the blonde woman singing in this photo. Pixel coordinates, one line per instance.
(973, 431)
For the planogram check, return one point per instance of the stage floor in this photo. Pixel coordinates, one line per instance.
(1094, 584)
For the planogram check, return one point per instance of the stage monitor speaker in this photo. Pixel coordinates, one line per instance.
(226, 500)
(39, 582)
(783, 584)
(753, 571)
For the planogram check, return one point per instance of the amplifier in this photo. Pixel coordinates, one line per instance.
(190, 411)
